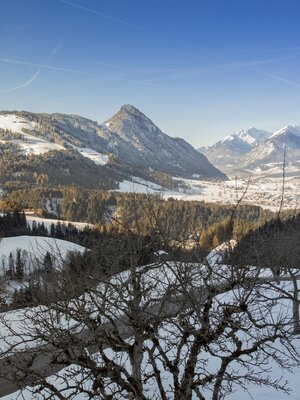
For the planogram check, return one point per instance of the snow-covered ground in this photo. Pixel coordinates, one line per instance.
(139, 185)
(265, 192)
(34, 145)
(159, 277)
(30, 144)
(15, 123)
(253, 391)
(34, 248)
(96, 157)
(49, 221)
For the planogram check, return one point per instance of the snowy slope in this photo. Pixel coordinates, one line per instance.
(294, 129)
(271, 151)
(129, 136)
(252, 391)
(227, 153)
(35, 248)
(95, 156)
(15, 123)
(138, 140)
(30, 143)
(33, 145)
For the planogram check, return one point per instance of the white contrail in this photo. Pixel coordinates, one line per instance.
(113, 66)
(36, 74)
(120, 21)
(252, 66)
(23, 85)
(175, 72)
(42, 66)
(277, 77)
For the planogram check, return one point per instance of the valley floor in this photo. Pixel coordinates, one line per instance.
(265, 192)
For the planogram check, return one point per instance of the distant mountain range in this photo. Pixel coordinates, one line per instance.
(127, 144)
(257, 151)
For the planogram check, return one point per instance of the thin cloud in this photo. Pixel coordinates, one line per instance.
(111, 18)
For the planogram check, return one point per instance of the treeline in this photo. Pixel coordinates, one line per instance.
(274, 244)
(78, 204)
(41, 281)
(69, 131)
(141, 213)
(13, 224)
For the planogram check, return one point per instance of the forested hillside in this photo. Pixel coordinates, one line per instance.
(275, 244)
(67, 167)
(209, 224)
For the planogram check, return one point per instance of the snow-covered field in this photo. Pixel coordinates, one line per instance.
(49, 221)
(139, 185)
(35, 248)
(264, 192)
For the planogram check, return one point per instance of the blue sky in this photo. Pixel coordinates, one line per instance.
(200, 69)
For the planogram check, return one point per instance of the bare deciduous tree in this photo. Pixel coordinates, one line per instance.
(169, 330)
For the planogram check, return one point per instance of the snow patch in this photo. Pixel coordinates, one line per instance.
(139, 185)
(97, 158)
(35, 248)
(15, 123)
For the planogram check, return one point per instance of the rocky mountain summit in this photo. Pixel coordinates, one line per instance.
(146, 146)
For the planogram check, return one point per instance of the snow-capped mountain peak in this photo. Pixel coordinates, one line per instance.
(251, 137)
(226, 153)
(294, 129)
